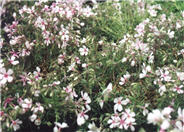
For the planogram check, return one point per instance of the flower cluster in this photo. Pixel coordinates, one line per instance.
(164, 119)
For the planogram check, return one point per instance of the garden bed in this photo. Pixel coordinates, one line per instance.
(97, 67)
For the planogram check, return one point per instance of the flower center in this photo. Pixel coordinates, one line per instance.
(6, 75)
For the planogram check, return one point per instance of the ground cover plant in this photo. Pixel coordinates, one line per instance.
(99, 67)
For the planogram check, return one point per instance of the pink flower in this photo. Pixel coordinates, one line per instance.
(24, 78)
(7, 101)
(5, 76)
(14, 54)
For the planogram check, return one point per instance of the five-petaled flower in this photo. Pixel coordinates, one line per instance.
(16, 124)
(5, 76)
(83, 51)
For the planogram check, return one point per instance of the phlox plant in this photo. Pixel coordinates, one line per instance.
(113, 66)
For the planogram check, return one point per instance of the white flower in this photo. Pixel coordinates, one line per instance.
(152, 12)
(85, 97)
(83, 51)
(27, 103)
(37, 122)
(13, 61)
(59, 126)
(130, 120)
(132, 63)
(36, 93)
(118, 105)
(182, 13)
(162, 89)
(61, 58)
(71, 92)
(37, 74)
(101, 103)
(81, 118)
(178, 89)
(5, 76)
(145, 111)
(122, 124)
(83, 40)
(114, 121)
(165, 125)
(170, 34)
(163, 17)
(151, 58)
(124, 79)
(155, 117)
(71, 67)
(143, 74)
(77, 60)
(124, 59)
(180, 126)
(13, 41)
(1, 63)
(107, 90)
(38, 108)
(165, 76)
(33, 117)
(180, 75)
(16, 124)
(181, 114)
(119, 102)
(100, 42)
(84, 65)
(93, 128)
(178, 25)
(129, 115)
(55, 129)
(87, 12)
(167, 111)
(144, 71)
